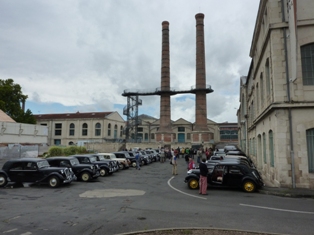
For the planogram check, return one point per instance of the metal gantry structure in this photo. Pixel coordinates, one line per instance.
(133, 101)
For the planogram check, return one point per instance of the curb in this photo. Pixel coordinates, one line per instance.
(168, 230)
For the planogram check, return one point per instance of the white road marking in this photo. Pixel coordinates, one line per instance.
(9, 231)
(14, 218)
(101, 193)
(204, 198)
(28, 233)
(277, 209)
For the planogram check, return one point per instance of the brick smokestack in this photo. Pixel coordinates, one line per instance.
(165, 110)
(164, 134)
(200, 107)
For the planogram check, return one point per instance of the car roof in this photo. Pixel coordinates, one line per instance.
(28, 159)
(61, 157)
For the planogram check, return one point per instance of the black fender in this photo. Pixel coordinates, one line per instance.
(45, 179)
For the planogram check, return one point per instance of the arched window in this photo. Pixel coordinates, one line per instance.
(121, 131)
(109, 129)
(310, 148)
(259, 149)
(84, 129)
(267, 74)
(271, 148)
(72, 129)
(115, 134)
(307, 60)
(262, 90)
(264, 148)
(97, 129)
(257, 99)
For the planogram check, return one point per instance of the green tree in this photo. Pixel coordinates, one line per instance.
(11, 98)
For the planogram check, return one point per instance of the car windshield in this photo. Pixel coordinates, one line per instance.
(43, 163)
(92, 159)
(74, 162)
(101, 158)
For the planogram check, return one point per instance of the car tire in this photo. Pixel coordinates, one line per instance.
(85, 176)
(121, 166)
(193, 183)
(134, 164)
(103, 172)
(54, 181)
(3, 180)
(249, 186)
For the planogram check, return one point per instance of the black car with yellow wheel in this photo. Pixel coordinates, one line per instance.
(228, 175)
(84, 172)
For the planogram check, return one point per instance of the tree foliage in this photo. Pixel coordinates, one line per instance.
(11, 98)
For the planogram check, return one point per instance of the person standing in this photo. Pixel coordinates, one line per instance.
(203, 177)
(191, 164)
(174, 165)
(162, 156)
(187, 161)
(137, 158)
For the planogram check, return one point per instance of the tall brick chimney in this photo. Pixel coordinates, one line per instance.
(164, 132)
(201, 129)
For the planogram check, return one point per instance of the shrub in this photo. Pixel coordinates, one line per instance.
(55, 151)
(70, 150)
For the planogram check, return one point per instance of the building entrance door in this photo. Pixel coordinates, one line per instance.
(181, 138)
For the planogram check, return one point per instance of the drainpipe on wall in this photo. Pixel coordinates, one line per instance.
(289, 98)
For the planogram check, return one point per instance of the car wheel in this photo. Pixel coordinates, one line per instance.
(54, 182)
(3, 180)
(85, 176)
(103, 172)
(193, 183)
(134, 164)
(249, 186)
(121, 166)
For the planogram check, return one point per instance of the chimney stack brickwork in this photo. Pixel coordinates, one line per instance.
(201, 132)
(164, 132)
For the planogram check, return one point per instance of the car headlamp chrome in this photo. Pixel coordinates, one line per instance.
(189, 171)
(62, 171)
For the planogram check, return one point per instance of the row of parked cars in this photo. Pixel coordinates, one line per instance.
(59, 170)
(228, 167)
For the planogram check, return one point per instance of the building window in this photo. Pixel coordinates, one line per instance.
(84, 129)
(264, 148)
(140, 129)
(181, 129)
(310, 148)
(109, 129)
(262, 90)
(146, 136)
(152, 136)
(57, 142)
(72, 129)
(115, 134)
(259, 148)
(267, 74)
(257, 99)
(121, 131)
(97, 129)
(271, 148)
(58, 128)
(307, 58)
(43, 124)
(188, 136)
(229, 135)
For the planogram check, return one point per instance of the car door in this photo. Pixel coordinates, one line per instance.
(234, 176)
(31, 172)
(16, 172)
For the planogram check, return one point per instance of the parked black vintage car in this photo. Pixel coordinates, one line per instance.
(113, 164)
(105, 169)
(228, 174)
(35, 171)
(84, 172)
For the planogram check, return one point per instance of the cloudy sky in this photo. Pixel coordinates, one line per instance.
(80, 55)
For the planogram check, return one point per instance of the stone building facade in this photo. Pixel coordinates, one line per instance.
(276, 115)
(80, 128)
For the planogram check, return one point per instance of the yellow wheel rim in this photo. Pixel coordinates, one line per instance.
(193, 184)
(249, 186)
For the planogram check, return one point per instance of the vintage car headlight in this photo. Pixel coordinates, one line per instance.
(62, 172)
(189, 172)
